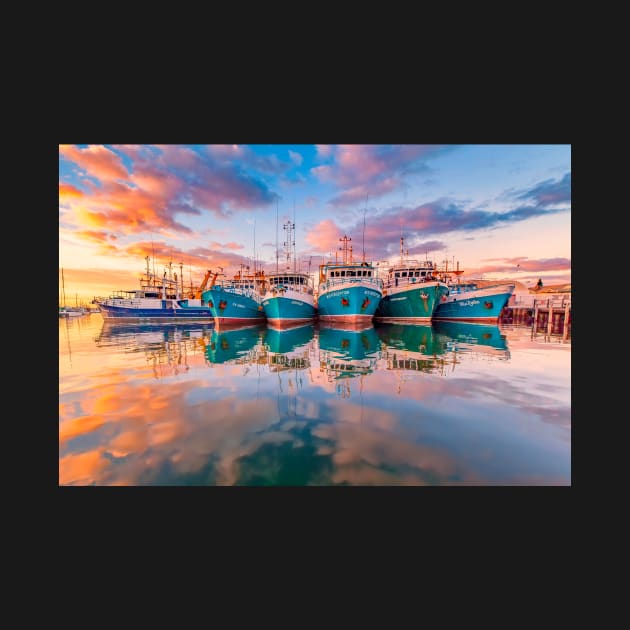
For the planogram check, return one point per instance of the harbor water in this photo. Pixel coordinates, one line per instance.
(156, 404)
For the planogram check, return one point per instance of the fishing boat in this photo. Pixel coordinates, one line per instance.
(289, 297)
(348, 292)
(468, 301)
(238, 300)
(411, 292)
(156, 299)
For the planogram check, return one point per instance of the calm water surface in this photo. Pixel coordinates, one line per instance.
(185, 404)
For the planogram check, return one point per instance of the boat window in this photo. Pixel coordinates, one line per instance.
(397, 274)
(423, 273)
(404, 274)
(369, 273)
(343, 274)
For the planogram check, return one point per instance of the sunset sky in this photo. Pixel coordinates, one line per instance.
(503, 211)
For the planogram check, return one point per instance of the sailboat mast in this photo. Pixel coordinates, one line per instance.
(63, 288)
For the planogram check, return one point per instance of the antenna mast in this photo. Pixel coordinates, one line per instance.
(276, 236)
(289, 242)
(344, 248)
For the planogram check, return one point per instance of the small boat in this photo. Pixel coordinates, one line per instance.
(239, 300)
(469, 302)
(156, 299)
(348, 292)
(70, 311)
(411, 292)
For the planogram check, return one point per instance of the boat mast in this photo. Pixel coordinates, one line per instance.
(276, 236)
(364, 211)
(153, 252)
(63, 289)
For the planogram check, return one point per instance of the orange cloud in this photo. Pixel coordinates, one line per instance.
(66, 190)
(95, 236)
(83, 468)
(78, 426)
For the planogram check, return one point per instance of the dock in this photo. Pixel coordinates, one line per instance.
(550, 314)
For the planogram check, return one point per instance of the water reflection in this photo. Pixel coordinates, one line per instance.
(347, 352)
(234, 344)
(313, 404)
(474, 338)
(288, 348)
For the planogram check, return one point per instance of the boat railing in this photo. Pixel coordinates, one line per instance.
(332, 282)
(398, 282)
(282, 288)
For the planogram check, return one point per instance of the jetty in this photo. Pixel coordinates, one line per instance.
(548, 312)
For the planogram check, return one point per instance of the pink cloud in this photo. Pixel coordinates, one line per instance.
(324, 150)
(324, 236)
(360, 169)
(522, 263)
(97, 160)
(296, 158)
(231, 245)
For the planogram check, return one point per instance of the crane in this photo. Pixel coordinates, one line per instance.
(202, 287)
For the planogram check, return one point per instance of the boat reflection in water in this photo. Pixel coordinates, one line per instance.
(413, 347)
(137, 336)
(169, 346)
(476, 339)
(347, 353)
(288, 348)
(235, 344)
